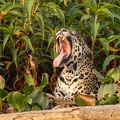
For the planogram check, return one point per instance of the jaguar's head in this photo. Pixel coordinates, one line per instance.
(69, 46)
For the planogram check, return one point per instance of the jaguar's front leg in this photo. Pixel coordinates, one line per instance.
(60, 102)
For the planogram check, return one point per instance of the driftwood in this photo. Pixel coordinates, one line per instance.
(90, 100)
(107, 112)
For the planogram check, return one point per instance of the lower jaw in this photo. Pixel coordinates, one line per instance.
(64, 61)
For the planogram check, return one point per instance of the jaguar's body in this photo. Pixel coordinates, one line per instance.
(77, 76)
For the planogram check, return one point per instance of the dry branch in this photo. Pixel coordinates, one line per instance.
(108, 112)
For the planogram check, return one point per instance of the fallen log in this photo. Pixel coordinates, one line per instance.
(107, 112)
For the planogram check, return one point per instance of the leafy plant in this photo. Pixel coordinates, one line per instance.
(29, 99)
(27, 29)
(108, 89)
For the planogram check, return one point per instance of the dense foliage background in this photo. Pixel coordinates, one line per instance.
(27, 45)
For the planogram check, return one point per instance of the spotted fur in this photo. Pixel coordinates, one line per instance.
(77, 76)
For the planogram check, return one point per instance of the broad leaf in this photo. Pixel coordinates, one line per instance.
(39, 98)
(17, 100)
(107, 89)
(28, 89)
(101, 102)
(114, 73)
(111, 99)
(3, 93)
(29, 79)
(2, 82)
(79, 101)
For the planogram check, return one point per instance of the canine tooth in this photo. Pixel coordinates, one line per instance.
(59, 36)
(63, 37)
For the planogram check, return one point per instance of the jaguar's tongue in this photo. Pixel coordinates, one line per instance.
(59, 59)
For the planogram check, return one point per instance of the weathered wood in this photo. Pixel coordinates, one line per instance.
(108, 112)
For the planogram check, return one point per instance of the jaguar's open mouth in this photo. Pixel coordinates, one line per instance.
(63, 49)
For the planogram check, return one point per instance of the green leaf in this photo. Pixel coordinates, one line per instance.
(112, 38)
(3, 93)
(107, 89)
(85, 17)
(28, 6)
(35, 108)
(1, 53)
(53, 54)
(29, 79)
(79, 101)
(108, 59)
(50, 39)
(116, 16)
(114, 73)
(14, 54)
(2, 82)
(94, 30)
(111, 99)
(28, 89)
(44, 60)
(117, 43)
(17, 100)
(110, 6)
(16, 13)
(101, 102)
(4, 6)
(92, 6)
(28, 42)
(73, 16)
(6, 38)
(105, 45)
(39, 98)
(118, 67)
(8, 6)
(107, 80)
(5, 29)
(60, 14)
(98, 74)
(44, 81)
(41, 24)
(107, 12)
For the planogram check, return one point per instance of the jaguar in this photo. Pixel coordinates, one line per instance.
(77, 76)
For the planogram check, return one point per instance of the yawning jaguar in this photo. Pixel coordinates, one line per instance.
(77, 76)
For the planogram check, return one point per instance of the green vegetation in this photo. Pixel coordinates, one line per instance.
(27, 46)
